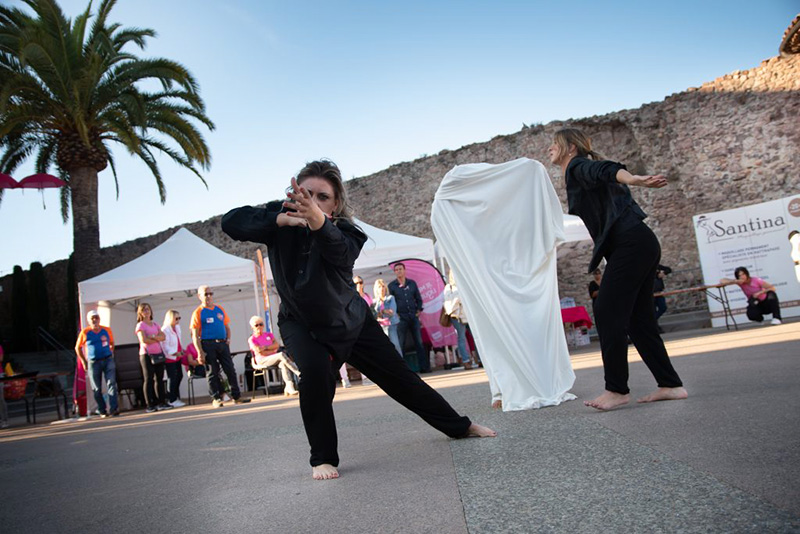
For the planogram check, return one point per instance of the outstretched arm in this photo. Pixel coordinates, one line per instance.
(653, 181)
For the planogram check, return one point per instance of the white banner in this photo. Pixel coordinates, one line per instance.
(765, 239)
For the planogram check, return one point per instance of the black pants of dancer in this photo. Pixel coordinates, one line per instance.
(756, 309)
(218, 355)
(625, 305)
(375, 356)
(153, 382)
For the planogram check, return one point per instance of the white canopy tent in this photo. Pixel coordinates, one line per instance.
(167, 277)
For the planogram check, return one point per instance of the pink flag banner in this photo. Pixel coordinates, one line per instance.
(431, 286)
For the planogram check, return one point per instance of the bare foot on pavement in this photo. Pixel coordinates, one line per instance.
(665, 394)
(608, 401)
(478, 431)
(324, 472)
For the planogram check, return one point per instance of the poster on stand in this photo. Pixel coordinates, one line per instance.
(765, 239)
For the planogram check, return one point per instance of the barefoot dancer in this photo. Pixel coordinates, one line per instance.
(597, 192)
(312, 245)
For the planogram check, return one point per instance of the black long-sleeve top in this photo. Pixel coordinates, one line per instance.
(312, 270)
(594, 195)
(408, 298)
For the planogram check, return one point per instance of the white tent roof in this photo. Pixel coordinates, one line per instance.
(184, 261)
(384, 246)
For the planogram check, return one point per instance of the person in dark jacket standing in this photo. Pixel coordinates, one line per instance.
(312, 245)
(409, 306)
(597, 192)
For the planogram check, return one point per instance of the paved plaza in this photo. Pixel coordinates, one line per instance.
(725, 460)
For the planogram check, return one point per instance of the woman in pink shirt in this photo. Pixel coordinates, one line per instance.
(265, 354)
(761, 297)
(151, 358)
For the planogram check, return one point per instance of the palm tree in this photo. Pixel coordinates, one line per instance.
(68, 89)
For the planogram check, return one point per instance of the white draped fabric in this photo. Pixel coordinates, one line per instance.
(498, 226)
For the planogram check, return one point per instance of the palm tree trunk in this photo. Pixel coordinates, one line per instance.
(85, 223)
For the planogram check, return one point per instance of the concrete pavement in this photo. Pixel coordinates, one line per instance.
(725, 460)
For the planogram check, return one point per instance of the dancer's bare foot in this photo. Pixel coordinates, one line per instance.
(478, 431)
(608, 401)
(665, 394)
(324, 472)
(497, 405)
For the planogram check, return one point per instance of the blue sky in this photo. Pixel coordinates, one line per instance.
(371, 84)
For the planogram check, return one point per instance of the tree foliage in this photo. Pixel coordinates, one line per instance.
(70, 89)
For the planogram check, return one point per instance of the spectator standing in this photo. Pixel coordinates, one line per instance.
(385, 310)
(458, 318)
(658, 287)
(594, 286)
(95, 349)
(173, 350)
(211, 335)
(151, 358)
(409, 306)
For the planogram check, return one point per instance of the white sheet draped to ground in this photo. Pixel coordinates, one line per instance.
(498, 226)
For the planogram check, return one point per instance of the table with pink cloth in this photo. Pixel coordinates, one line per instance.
(577, 315)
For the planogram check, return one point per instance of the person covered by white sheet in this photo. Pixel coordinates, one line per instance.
(498, 226)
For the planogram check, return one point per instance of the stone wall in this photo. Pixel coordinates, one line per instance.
(731, 142)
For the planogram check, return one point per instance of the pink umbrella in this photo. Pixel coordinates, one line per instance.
(41, 182)
(7, 182)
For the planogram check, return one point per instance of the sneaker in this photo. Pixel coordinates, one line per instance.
(162, 407)
(776, 321)
(4, 424)
(150, 409)
(102, 415)
(240, 400)
(115, 413)
(216, 403)
(226, 398)
(177, 403)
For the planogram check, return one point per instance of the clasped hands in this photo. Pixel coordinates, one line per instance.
(305, 210)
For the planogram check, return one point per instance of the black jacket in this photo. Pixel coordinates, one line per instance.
(312, 271)
(594, 195)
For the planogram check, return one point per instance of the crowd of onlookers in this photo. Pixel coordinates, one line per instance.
(162, 352)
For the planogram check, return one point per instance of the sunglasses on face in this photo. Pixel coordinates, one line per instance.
(208, 294)
(259, 324)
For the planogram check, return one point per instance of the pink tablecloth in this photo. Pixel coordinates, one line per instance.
(577, 316)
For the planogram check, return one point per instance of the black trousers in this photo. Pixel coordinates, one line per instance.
(218, 354)
(153, 387)
(375, 356)
(174, 377)
(756, 309)
(625, 306)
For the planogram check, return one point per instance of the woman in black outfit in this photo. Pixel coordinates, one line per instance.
(312, 245)
(597, 192)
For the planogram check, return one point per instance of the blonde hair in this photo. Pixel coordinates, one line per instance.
(169, 317)
(140, 312)
(380, 287)
(253, 320)
(582, 143)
